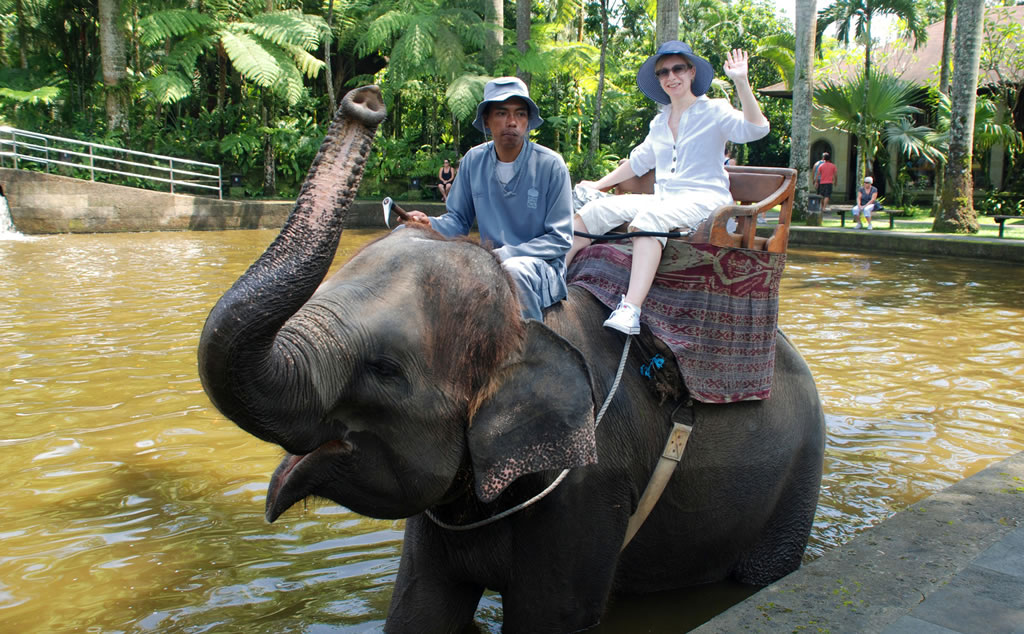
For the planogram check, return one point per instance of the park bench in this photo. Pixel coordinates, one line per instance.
(892, 213)
(755, 191)
(1002, 219)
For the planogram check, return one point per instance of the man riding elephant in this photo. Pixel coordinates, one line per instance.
(407, 385)
(519, 193)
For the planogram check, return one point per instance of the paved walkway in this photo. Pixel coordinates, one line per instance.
(881, 239)
(953, 562)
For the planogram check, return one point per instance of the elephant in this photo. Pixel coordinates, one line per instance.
(407, 385)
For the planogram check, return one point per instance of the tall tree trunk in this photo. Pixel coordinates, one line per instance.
(957, 213)
(945, 65)
(523, 35)
(581, 22)
(22, 36)
(946, 62)
(803, 102)
(222, 76)
(595, 126)
(327, 61)
(269, 165)
(867, 45)
(667, 22)
(862, 148)
(494, 38)
(114, 61)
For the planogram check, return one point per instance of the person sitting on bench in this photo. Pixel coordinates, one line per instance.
(445, 178)
(682, 147)
(867, 201)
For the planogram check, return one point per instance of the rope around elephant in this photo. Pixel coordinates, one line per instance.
(551, 487)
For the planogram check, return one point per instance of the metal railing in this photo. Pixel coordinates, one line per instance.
(81, 156)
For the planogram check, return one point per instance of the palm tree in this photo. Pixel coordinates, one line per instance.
(272, 49)
(595, 126)
(990, 127)
(780, 49)
(494, 40)
(667, 22)
(523, 15)
(946, 61)
(854, 17)
(801, 80)
(114, 62)
(945, 66)
(889, 102)
(956, 213)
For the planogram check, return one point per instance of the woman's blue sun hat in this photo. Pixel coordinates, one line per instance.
(501, 89)
(649, 84)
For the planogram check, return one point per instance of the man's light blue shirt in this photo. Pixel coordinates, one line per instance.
(530, 217)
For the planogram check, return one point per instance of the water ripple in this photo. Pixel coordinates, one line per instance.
(131, 505)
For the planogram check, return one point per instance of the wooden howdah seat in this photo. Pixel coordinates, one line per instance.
(755, 190)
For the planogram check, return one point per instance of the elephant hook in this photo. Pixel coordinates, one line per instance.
(389, 206)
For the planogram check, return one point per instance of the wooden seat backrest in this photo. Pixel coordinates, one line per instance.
(755, 190)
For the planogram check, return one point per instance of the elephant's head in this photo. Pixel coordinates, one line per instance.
(409, 364)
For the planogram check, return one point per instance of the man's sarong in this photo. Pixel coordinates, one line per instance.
(716, 308)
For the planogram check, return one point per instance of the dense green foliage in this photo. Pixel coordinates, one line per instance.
(219, 80)
(244, 83)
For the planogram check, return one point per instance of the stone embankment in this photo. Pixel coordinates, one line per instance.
(953, 562)
(47, 203)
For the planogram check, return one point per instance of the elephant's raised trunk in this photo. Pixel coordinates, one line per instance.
(244, 373)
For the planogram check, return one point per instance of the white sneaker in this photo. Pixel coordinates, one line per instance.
(869, 227)
(625, 318)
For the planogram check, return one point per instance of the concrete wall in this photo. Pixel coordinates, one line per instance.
(45, 203)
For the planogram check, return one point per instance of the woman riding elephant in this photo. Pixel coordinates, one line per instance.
(408, 386)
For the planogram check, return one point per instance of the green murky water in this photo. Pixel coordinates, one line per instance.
(130, 505)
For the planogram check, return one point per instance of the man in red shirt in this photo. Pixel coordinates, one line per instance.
(824, 178)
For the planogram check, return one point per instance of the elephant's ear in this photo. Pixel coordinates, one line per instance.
(535, 414)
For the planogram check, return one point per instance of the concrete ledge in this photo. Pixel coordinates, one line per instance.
(954, 560)
(902, 242)
(47, 203)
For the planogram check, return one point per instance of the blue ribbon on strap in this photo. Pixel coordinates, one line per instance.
(656, 362)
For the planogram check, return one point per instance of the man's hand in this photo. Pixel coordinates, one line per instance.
(418, 217)
(590, 184)
(736, 65)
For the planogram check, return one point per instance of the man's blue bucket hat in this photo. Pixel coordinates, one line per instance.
(649, 84)
(501, 89)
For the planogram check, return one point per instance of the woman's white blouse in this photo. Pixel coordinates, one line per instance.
(693, 160)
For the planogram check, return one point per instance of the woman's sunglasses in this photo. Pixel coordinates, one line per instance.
(678, 69)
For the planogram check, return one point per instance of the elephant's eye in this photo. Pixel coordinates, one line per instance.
(384, 368)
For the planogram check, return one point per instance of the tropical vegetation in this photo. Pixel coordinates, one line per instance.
(252, 84)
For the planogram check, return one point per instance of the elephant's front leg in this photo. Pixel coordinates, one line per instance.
(564, 568)
(427, 598)
(572, 602)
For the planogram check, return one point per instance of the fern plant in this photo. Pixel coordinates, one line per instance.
(272, 50)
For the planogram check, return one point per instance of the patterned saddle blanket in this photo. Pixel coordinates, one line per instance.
(715, 308)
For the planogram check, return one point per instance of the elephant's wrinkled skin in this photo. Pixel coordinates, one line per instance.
(409, 382)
